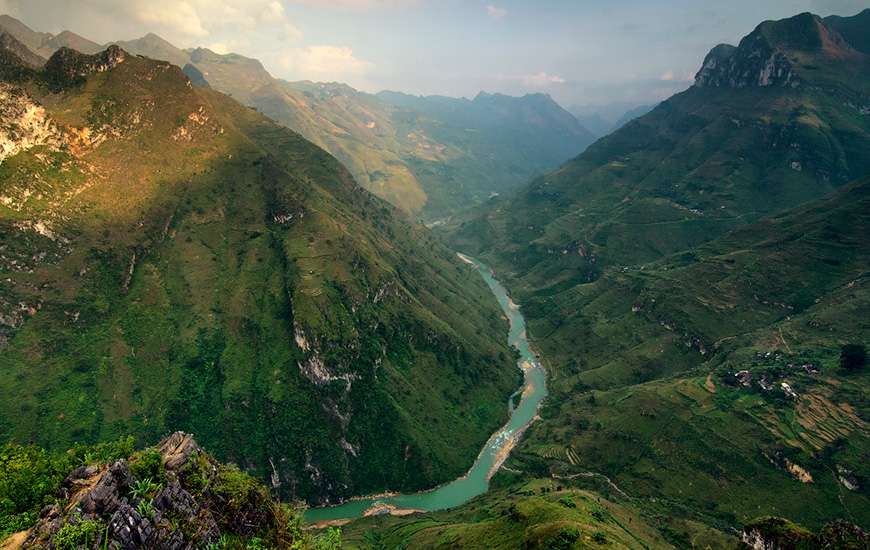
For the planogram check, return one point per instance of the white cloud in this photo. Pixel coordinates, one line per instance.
(542, 80)
(667, 76)
(219, 47)
(292, 32)
(324, 63)
(178, 16)
(495, 12)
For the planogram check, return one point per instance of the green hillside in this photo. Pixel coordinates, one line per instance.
(693, 245)
(173, 260)
(733, 148)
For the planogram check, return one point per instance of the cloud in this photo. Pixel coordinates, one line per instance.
(179, 16)
(542, 80)
(184, 21)
(357, 4)
(219, 48)
(332, 63)
(667, 76)
(496, 12)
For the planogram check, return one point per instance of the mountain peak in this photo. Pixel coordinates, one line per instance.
(67, 67)
(772, 54)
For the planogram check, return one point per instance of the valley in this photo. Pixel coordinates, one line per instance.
(244, 311)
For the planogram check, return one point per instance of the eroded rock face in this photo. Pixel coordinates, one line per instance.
(23, 123)
(765, 57)
(127, 519)
(68, 67)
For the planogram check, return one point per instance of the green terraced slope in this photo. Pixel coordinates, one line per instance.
(171, 259)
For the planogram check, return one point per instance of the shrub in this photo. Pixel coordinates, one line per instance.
(567, 502)
(29, 479)
(148, 464)
(76, 533)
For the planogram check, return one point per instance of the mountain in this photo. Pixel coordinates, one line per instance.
(630, 115)
(780, 120)
(45, 44)
(172, 495)
(155, 47)
(395, 145)
(174, 260)
(31, 39)
(593, 122)
(10, 45)
(693, 279)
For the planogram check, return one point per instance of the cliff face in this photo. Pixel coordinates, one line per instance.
(771, 55)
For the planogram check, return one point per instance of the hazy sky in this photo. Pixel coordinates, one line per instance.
(582, 52)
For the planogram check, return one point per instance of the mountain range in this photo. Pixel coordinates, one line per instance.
(427, 155)
(183, 246)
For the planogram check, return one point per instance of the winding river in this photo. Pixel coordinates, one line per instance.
(493, 454)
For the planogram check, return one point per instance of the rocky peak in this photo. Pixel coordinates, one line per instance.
(69, 68)
(767, 56)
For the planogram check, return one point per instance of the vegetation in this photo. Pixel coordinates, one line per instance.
(691, 285)
(528, 515)
(430, 156)
(240, 507)
(206, 269)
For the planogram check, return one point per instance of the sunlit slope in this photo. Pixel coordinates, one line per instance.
(174, 260)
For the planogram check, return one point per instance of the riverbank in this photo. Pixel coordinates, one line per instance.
(493, 454)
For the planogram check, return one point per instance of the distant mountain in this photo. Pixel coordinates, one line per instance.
(155, 47)
(630, 115)
(396, 146)
(594, 122)
(31, 39)
(172, 259)
(45, 44)
(10, 45)
(781, 119)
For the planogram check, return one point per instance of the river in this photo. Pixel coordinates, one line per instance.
(493, 454)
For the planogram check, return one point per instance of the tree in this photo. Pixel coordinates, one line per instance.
(853, 357)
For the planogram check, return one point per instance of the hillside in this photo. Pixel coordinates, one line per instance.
(748, 140)
(174, 260)
(429, 156)
(676, 274)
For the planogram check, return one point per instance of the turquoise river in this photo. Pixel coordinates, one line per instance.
(493, 454)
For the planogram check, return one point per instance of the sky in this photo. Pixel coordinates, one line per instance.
(588, 54)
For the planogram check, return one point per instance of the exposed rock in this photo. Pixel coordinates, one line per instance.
(69, 68)
(103, 494)
(23, 123)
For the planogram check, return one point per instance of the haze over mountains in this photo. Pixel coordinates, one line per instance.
(187, 243)
(426, 155)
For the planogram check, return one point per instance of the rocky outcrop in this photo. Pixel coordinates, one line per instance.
(780, 534)
(765, 58)
(23, 123)
(169, 516)
(70, 68)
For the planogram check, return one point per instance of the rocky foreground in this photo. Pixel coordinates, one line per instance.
(172, 496)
